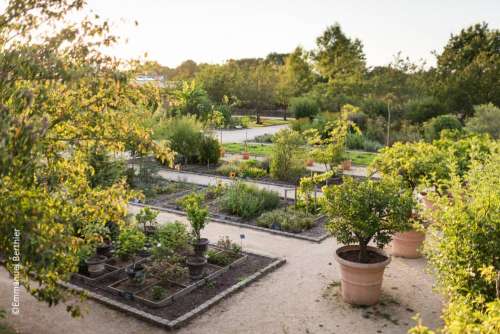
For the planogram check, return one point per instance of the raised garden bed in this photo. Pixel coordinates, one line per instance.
(179, 301)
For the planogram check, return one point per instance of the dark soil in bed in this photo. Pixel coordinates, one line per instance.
(186, 303)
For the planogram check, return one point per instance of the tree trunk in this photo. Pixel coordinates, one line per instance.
(258, 117)
(363, 252)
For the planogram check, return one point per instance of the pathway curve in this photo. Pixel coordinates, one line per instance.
(294, 299)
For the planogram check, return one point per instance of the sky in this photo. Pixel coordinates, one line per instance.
(212, 31)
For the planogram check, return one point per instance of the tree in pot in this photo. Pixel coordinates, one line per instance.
(130, 242)
(360, 212)
(416, 164)
(147, 219)
(197, 216)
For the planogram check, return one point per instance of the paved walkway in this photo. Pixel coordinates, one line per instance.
(297, 298)
(239, 136)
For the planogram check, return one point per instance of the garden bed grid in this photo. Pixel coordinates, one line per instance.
(104, 289)
(167, 203)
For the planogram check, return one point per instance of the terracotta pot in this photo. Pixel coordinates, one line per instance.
(361, 283)
(346, 164)
(309, 162)
(407, 244)
(222, 152)
(245, 155)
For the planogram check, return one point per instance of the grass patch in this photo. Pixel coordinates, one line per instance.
(5, 329)
(360, 158)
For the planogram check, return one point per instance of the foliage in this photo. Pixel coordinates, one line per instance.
(147, 217)
(303, 107)
(463, 149)
(228, 245)
(332, 149)
(286, 157)
(307, 186)
(196, 213)
(209, 150)
(184, 134)
(59, 98)
(130, 241)
(242, 168)
(158, 292)
(420, 110)
(360, 142)
(248, 201)
(433, 127)
(467, 72)
(289, 220)
(361, 211)
(486, 119)
(105, 171)
(170, 239)
(192, 100)
(462, 248)
(265, 138)
(416, 163)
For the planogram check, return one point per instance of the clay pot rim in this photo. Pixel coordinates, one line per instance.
(359, 265)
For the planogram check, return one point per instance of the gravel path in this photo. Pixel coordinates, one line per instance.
(297, 298)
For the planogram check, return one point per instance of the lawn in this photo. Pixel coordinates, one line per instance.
(358, 157)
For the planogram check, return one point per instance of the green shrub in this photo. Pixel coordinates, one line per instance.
(248, 201)
(422, 109)
(486, 119)
(219, 258)
(290, 220)
(184, 134)
(130, 241)
(242, 168)
(106, 171)
(302, 107)
(158, 293)
(360, 211)
(301, 124)
(209, 150)
(433, 128)
(170, 239)
(265, 138)
(228, 168)
(287, 157)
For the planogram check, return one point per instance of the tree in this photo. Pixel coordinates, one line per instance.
(59, 99)
(486, 119)
(468, 70)
(286, 162)
(339, 59)
(434, 126)
(360, 211)
(191, 99)
(462, 249)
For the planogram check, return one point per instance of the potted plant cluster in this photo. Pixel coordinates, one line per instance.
(197, 216)
(361, 212)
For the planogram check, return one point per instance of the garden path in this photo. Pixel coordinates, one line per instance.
(239, 136)
(297, 298)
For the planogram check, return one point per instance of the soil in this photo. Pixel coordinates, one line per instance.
(170, 289)
(193, 299)
(353, 256)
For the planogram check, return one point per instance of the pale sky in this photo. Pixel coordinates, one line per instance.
(213, 31)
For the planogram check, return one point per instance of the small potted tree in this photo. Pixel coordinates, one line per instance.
(147, 219)
(417, 164)
(197, 216)
(361, 212)
(130, 242)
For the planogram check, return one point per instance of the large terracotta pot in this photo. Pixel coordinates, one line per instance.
(361, 283)
(245, 155)
(407, 244)
(309, 162)
(346, 164)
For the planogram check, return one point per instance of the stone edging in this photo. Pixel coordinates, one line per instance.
(183, 319)
(242, 225)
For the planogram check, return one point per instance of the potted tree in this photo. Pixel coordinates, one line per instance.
(197, 216)
(130, 242)
(361, 212)
(417, 164)
(147, 219)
